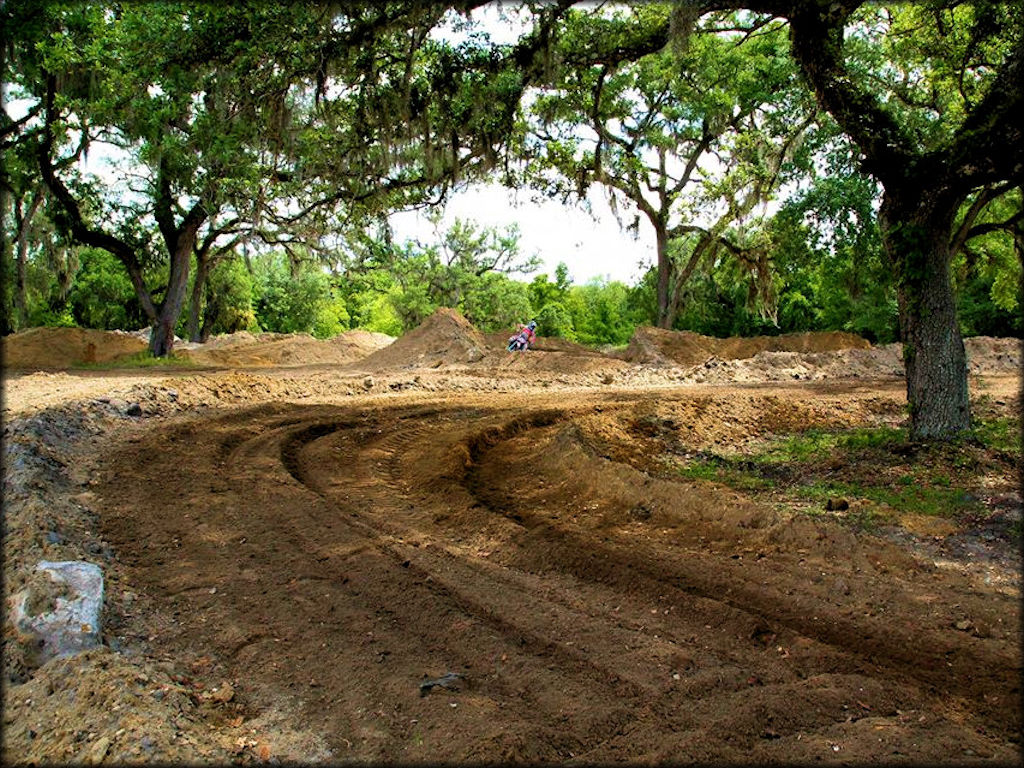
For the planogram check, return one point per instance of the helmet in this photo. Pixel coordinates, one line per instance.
(532, 324)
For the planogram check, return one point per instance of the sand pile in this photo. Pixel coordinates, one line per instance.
(985, 355)
(243, 350)
(658, 346)
(444, 338)
(54, 348)
(550, 355)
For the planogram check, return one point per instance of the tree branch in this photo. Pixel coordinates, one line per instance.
(70, 217)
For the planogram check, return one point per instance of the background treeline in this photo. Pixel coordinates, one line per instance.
(821, 282)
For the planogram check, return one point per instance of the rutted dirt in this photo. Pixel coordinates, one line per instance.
(291, 554)
(336, 556)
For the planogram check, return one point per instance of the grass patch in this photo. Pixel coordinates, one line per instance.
(719, 470)
(999, 433)
(141, 360)
(879, 467)
(817, 444)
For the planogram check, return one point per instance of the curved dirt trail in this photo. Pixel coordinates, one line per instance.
(328, 558)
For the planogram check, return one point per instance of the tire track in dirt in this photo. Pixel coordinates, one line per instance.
(537, 615)
(918, 656)
(370, 546)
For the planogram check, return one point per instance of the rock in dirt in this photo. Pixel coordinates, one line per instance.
(58, 613)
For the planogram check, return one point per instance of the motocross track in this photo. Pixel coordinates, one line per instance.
(596, 610)
(328, 558)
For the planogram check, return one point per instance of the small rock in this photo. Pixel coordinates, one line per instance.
(134, 409)
(981, 629)
(640, 512)
(963, 625)
(58, 614)
(53, 537)
(224, 694)
(368, 382)
(99, 750)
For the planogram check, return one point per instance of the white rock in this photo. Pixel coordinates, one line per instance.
(60, 617)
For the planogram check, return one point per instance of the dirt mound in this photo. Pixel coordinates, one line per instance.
(444, 338)
(656, 345)
(248, 350)
(550, 355)
(54, 348)
(986, 354)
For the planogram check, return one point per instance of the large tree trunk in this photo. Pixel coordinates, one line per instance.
(196, 301)
(6, 259)
(21, 267)
(664, 319)
(916, 234)
(161, 340)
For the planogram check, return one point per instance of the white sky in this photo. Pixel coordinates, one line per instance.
(591, 246)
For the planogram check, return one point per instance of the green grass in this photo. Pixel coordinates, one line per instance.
(142, 360)
(818, 443)
(880, 465)
(918, 498)
(1000, 433)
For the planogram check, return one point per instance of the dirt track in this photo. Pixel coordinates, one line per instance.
(290, 549)
(326, 559)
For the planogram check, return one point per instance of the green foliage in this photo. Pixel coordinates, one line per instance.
(44, 316)
(294, 303)
(229, 299)
(554, 320)
(601, 313)
(980, 315)
(497, 303)
(103, 296)
(464, 269)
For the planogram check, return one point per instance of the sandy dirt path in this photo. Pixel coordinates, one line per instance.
(327, 559)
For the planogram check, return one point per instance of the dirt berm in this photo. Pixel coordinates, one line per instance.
(656, 345)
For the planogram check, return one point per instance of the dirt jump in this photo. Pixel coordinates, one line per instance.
(439, 552)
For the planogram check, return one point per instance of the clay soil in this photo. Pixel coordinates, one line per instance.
(293, 555)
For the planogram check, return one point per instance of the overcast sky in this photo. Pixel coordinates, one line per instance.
(591, 246)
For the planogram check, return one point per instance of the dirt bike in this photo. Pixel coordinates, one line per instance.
(517, 342)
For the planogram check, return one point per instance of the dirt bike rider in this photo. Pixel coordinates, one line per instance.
(525, 335)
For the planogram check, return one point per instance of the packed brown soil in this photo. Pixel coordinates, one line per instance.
(493, 560)
(445, 338)
(249, 350)
(56, 348)
(656, 345)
